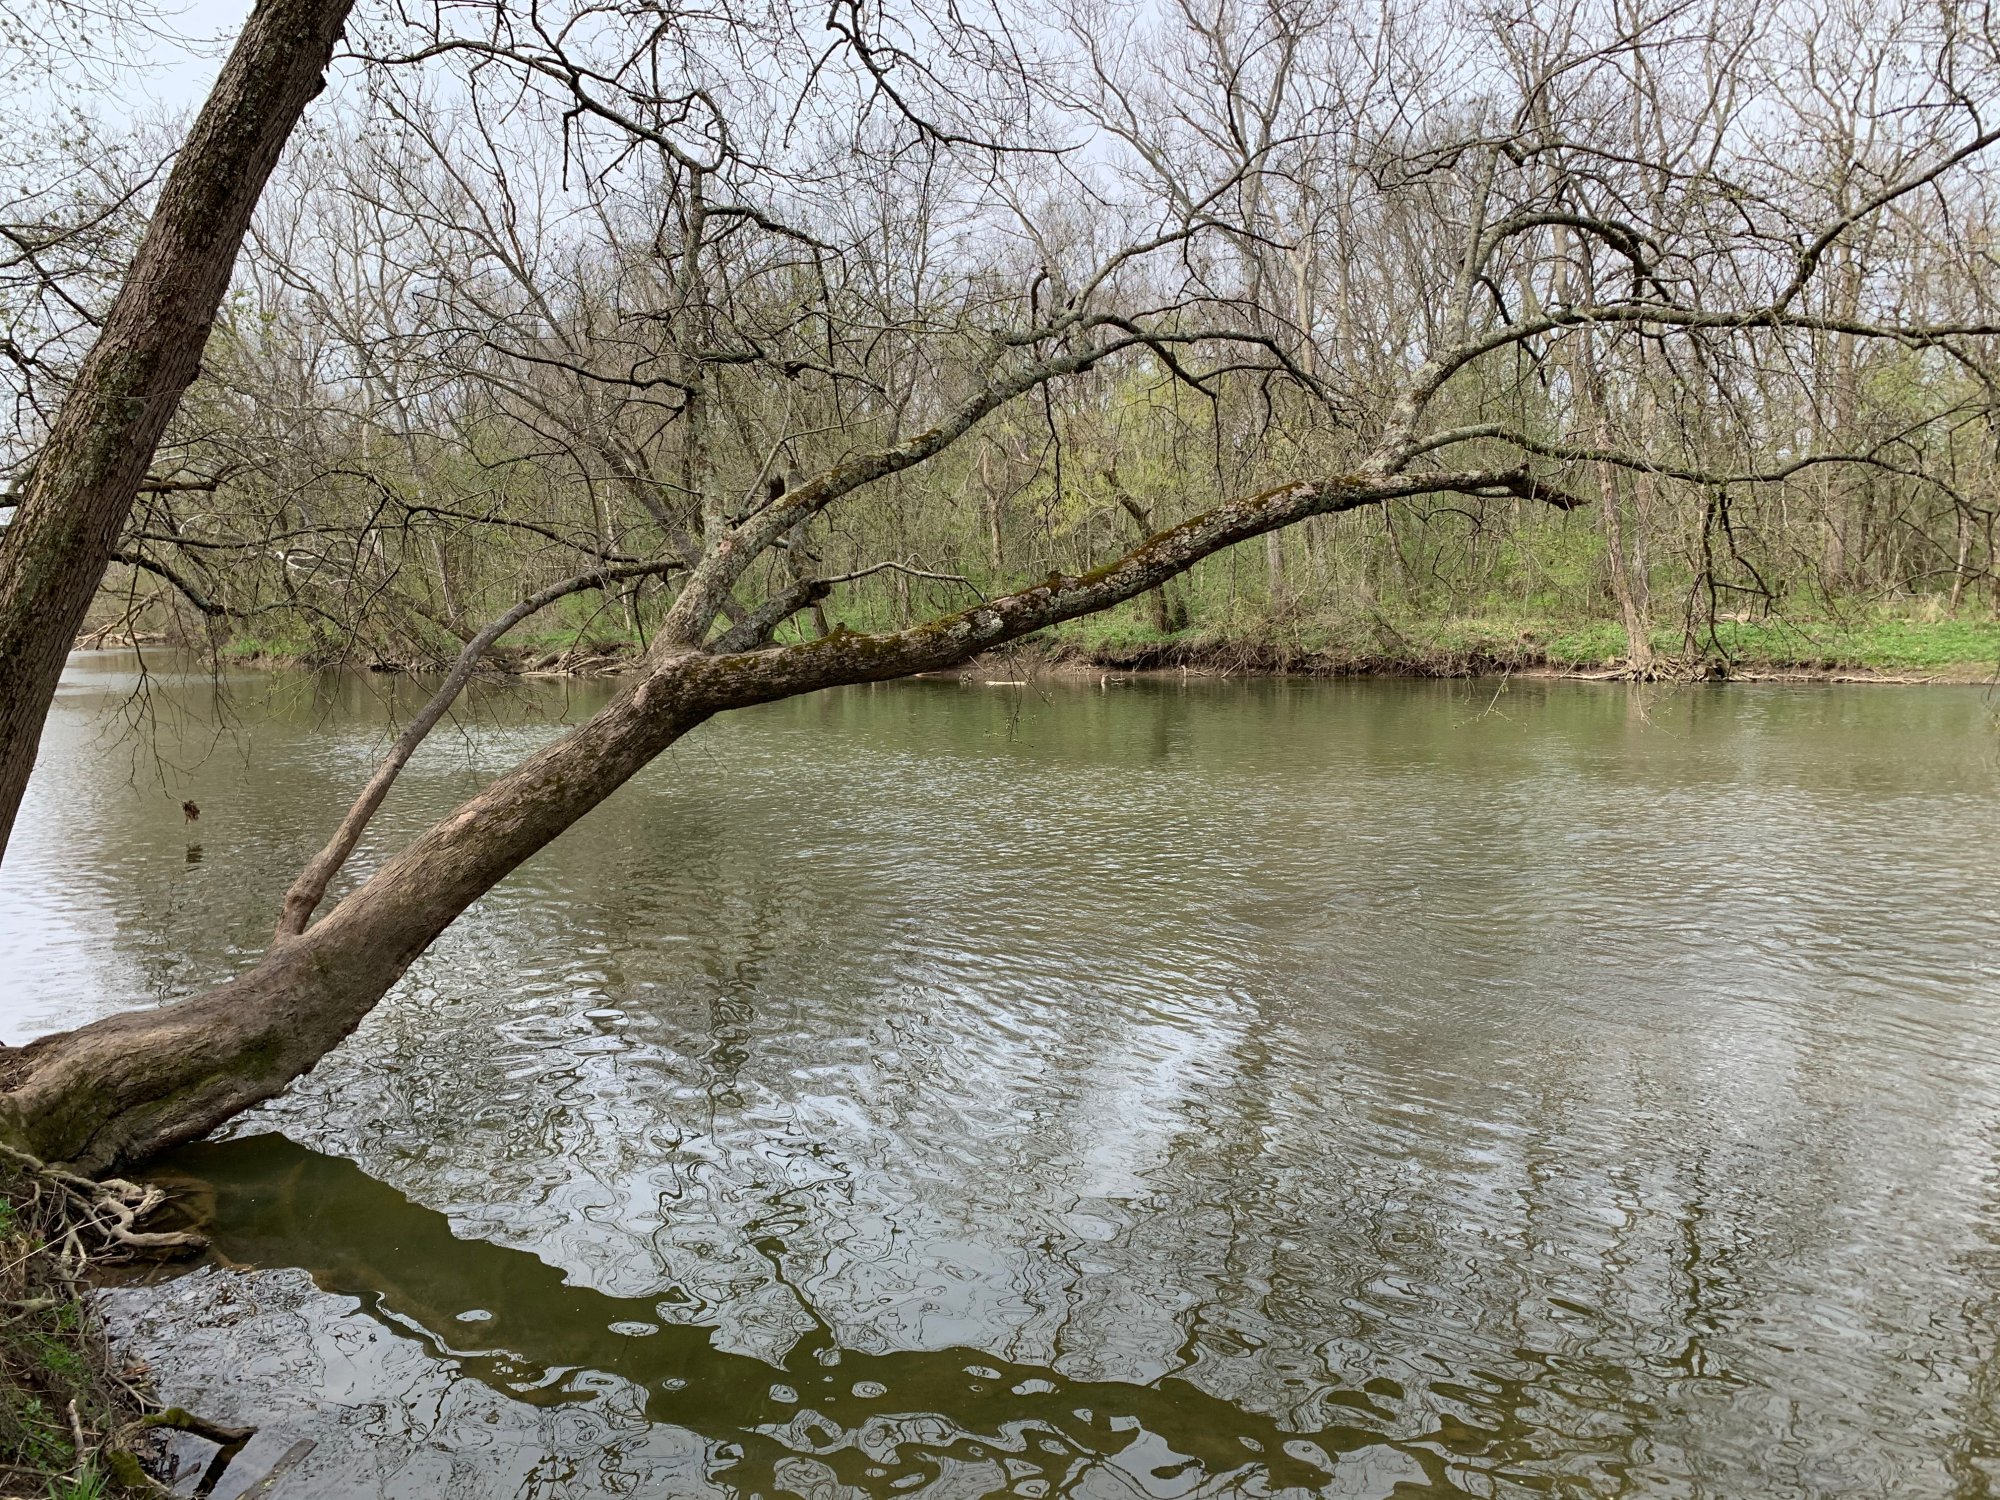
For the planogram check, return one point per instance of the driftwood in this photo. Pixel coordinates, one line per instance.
(289, 1459)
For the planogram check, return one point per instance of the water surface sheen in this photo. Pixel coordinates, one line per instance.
(1159, 1090)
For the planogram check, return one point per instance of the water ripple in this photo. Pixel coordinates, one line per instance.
(1236, 1089)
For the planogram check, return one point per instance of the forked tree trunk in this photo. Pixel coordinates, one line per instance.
(86, 475)
(126, 1087)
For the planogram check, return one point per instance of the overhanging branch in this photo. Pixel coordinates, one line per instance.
(309, 888)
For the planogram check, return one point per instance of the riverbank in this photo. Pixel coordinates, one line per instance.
(1875, 649)
(63, 1394)
(77, 1421)
(1858, 648)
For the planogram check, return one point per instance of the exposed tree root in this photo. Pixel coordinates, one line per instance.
(71, 1419)
(107, 1212)
(1667, 669)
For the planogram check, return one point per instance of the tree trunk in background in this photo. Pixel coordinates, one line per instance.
(1628, 579)
(1958, 561)
(1169, 613)
(1274, 575)
(84, 480)
(1627, 575)
(1846, 512)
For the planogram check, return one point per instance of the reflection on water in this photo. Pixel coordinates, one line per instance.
(894, 1421)
(1174, 1090)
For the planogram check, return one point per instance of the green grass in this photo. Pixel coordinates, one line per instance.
(602, 636)
(57, 1357)
(1886, 644)
(1893, 645)
(88, 1485)
(277, 645)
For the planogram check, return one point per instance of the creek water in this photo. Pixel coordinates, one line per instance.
(1149, 1089)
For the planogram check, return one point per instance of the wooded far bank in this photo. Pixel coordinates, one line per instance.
(513, 314)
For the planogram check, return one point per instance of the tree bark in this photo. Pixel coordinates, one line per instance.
(77, 497)
(129, 1086)
(1628, 577)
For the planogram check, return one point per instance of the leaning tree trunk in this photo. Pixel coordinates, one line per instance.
(121, 1089)
(84, 479)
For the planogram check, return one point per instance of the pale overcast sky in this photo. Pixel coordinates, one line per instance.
(179, 69)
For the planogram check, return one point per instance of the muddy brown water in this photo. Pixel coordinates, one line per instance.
(1168, 1090)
